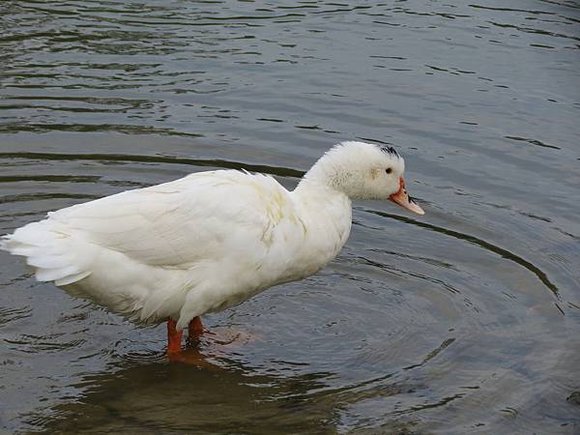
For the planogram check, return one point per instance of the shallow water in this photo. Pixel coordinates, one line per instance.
(464, 320)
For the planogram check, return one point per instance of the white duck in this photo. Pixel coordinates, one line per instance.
(208, 241)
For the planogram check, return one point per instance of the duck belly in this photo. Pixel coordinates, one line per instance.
(145, 294)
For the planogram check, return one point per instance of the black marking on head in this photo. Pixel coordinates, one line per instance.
(390, 150)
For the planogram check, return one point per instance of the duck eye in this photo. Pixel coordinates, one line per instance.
(389, 170)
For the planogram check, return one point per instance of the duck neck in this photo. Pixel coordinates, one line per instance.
(311, 188)
(332, 175)
(322, 185)
(324, 210)
(322, 173)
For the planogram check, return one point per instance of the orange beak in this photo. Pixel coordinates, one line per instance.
(404, 200)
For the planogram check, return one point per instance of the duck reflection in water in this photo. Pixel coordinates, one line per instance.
(217, 395)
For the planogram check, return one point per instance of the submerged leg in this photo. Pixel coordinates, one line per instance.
(173, 338)
(195, 329)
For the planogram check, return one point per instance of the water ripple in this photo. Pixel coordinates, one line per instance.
(284, 172)
(480, 97)
(504, 253)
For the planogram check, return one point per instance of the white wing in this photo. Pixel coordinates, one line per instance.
(182, 222)
(172, 236)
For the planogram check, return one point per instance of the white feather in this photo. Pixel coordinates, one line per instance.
(201, 243)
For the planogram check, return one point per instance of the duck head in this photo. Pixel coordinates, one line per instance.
(364, 171)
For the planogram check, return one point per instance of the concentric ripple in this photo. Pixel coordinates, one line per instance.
(464, 320)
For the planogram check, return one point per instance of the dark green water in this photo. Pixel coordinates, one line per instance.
(466, 320)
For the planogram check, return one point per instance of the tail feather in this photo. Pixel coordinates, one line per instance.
(55, 274)
(71, 278)
(51, 251)
(45, 261)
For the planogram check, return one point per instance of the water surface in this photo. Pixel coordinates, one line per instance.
(464, 320)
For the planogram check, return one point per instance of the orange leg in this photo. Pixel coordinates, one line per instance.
(195, 329)
(173, 338)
